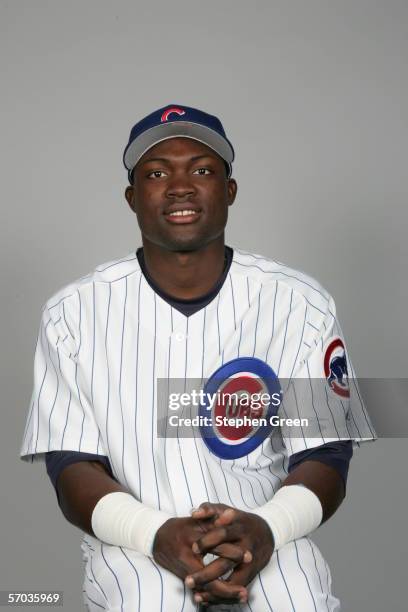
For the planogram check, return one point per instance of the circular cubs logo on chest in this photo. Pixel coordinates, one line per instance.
(239, 400)
(335, 367)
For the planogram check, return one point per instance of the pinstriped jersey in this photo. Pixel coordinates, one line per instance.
(107, 338)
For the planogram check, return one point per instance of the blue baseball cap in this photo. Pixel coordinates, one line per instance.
(172, 121)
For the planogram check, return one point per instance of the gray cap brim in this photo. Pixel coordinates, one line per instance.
(186, 129)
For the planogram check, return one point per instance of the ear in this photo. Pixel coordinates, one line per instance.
(232, 191)
(129, 195)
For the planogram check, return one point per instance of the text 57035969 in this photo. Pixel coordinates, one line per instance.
(31, 598)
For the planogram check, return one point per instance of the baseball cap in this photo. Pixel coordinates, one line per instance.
(176, 120)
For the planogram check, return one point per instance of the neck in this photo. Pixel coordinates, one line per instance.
(185, 275)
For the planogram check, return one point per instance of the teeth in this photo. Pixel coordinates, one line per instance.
(182, 213)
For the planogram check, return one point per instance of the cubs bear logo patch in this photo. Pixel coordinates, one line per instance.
(335, 367)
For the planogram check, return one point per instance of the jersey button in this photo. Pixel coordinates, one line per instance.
(179, 336)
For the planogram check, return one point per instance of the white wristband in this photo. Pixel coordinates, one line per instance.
(120, 519)
(293, 512)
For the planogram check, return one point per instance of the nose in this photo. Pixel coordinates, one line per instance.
(180, 187)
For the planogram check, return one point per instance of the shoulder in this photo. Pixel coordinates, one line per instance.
(270, 271)
(80, 289)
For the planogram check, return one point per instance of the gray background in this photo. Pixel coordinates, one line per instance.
(314, 97)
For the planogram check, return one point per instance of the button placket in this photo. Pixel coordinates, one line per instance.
(179, 336)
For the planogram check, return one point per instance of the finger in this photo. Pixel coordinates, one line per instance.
(186, 564)
(243, 574)
(206, 599)
(221, 592)
(226, 517)
(208, 573)
(205, 510)
(215, 537)
(233, 553)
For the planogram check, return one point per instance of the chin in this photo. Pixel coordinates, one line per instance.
(185, 244)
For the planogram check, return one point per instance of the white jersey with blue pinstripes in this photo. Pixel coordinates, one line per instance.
(105, 339)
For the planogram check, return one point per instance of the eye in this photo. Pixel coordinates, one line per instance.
(155, 174)
(202, 171)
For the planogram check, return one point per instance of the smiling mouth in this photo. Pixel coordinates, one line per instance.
(186, 215)
(182, 213)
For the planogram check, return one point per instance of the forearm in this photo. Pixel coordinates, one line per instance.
(80, 487)
(323, 480)
(97, 504)
(307, 498)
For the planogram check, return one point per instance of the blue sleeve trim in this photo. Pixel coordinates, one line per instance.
(335, 454)
(56, 461)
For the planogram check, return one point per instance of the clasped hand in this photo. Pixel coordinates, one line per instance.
(241, 541)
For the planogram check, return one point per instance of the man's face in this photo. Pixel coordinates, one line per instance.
(176, 176)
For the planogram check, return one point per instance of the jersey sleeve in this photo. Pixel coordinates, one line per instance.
(335, 454)
(324, 392)
(60, 415)
(56, 461)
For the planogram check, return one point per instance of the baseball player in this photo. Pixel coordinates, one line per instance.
(216, 512)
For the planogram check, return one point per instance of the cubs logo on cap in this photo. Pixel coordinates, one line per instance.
(174, 121)
(335, 367)
(172, 109)
(238, 424)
